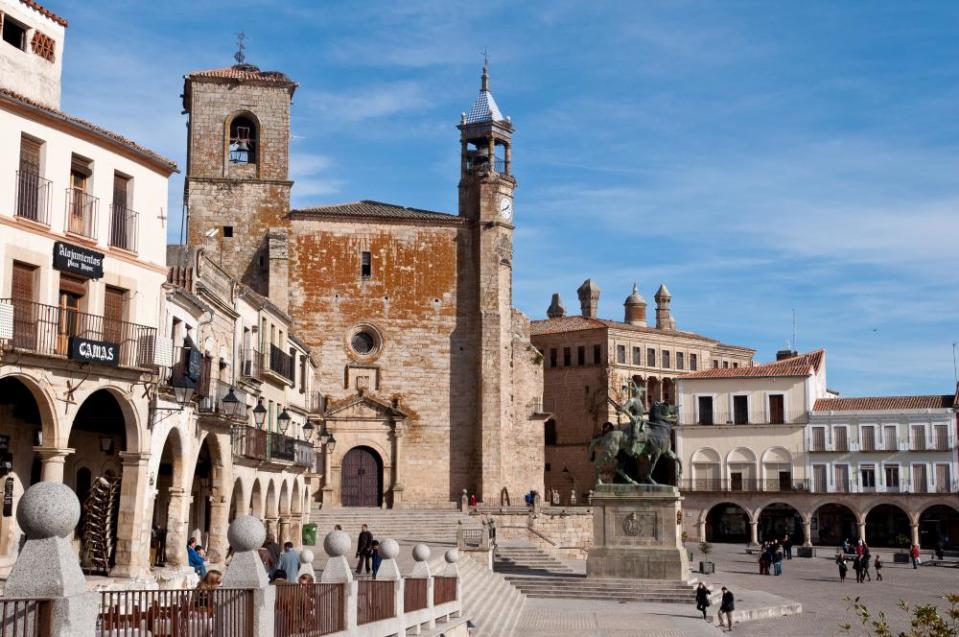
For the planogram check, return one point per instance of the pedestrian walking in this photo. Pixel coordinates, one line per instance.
(726, 607)
(857, 566)
(702, 599)
(878, 565)
(364, 545)
(860, 548)
(778, 561)
(765, 559)
(841, 562)
(788, 547)
(940, 553)
(273, 548)
(289, 562)
(866, 555)
(914, 553)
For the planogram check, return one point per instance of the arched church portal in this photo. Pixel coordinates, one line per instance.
(361, 478)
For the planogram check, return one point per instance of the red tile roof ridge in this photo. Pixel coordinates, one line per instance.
(36, 6)
(800, 365)
(886, 403)
(243, 72)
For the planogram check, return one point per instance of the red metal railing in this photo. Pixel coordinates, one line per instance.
(444, 590)
(81, 213)
(414, 595)
(375, 600)
(178, 613)
(123, 227)
(24, 617)
(48, 329)
(309, 610)
(33, 197)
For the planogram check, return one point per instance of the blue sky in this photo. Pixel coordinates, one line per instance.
(756, 157)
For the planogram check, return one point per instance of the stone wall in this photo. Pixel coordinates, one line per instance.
(565, 533)
(522, 442)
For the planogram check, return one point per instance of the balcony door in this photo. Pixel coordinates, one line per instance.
(819, 478)
(842, 478)
(114, 311)
(919, 484)
(72, 291)
(28, 180)
(24, 319)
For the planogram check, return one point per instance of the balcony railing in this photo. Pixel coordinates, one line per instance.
(303, 454)
(255, 444)
(281, 362)
(212, 403)
(33, 197)
(317, 402)
(81, 213)
(123, 228)
(220, 611)
(249, 442)
(49, 330)
(251, 364)
(745, 485)
(280, 447)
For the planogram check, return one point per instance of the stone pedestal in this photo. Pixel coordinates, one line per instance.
(637, 533)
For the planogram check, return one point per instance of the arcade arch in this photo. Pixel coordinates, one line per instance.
(727, 522)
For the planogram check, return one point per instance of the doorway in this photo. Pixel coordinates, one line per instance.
(361, 478)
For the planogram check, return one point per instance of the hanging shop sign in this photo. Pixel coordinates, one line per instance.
(77, 260)
(102, 352)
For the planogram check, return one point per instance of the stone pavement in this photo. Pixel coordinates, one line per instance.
(814, 582)
(593, 618)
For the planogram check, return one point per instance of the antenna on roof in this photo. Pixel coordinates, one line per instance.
(794, 348)
(240, 54)
(955, 366)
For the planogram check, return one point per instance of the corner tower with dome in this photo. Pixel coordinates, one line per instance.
(426, 374)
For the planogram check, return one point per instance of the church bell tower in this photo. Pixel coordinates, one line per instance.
(486, 199)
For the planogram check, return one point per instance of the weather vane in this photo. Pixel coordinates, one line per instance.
(240, 54)
(485, 57)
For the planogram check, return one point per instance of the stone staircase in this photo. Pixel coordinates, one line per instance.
(435, 527)
(538, 574)
(489, 600)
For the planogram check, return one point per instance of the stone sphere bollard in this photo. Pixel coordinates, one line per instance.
(48, 509)
(389, 549)
(421, 553)
(337, 543)
(452, 556)
(306, 556)
(246, 533)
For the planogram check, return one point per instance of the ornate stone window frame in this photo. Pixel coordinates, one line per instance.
(378, 342)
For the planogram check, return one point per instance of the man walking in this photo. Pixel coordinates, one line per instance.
(289, 563)
(364, 544)
(914, 553)
(788, 547)
(726, 607)
(865, 563)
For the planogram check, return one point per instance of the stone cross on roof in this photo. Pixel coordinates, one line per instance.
(240, 54)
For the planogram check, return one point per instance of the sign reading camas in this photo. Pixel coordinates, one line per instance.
(76, 260)
(88, 351)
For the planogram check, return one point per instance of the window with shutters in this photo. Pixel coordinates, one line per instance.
(918, 438)
(891, 476)
(867, 476)
(69, 323)
(621, 354)
(14, 33)
(680, 363)
(693, 362)
(581, 355)
(777, 411)
(366, 265)
(840, 439)
(942, 437)
(650, 357)
(841, 475)
(665, 358)
(705, 405)
(33, 191)
(818, 439)
(943, 479)
(637, 356)
(919, 484)
(740, 410)
(868, 438)
(114, 312)
(890, 438)
(24, 310)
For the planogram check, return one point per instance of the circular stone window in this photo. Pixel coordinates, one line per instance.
(364, 341)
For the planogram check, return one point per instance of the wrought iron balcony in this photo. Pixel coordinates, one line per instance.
(51, 331)
(254, 444)
(82, 213)
(749, 485)
(281, 363)
(251, 364)
(33, 197)
(123, 227)
(212, 402)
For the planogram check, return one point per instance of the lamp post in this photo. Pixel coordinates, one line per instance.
(230, 404)
(259, 414)
(308, 429)
(283, 420)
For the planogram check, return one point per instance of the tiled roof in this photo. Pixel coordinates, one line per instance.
(378, 210)
(154, 158)
(484, 109)
(578, 323)
(802, 365)
(244, 73)
(36, 6)
(885, 403)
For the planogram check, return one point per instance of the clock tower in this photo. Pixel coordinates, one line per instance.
(486, 200)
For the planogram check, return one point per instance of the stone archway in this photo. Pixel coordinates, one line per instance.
(361, 478)
(832, 523)
(886, 525)
(705, 469)
(238, 504)
(256, 501)
(939, 523)
(169, 528)
(272, 511)
(296, 512)
(727, 522)
(777, 520)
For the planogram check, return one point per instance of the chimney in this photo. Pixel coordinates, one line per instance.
(786, 353)
(664, 320)
(556, 308)
(588, 298)
(635, 308)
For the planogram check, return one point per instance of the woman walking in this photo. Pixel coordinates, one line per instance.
(702, 599)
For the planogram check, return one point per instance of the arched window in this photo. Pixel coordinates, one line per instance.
(242, 140)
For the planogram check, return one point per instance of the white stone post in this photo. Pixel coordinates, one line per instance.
(390, 571)
(421, 570)
(48, 567)
(452, 556)
(337, 571)
(246, 535)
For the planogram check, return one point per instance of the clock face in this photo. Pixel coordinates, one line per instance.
(506, 208)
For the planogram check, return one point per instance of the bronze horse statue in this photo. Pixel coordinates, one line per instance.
(642, 441)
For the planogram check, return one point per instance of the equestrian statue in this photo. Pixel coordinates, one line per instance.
(630, 451)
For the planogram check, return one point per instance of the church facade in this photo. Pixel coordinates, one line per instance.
(429, 383)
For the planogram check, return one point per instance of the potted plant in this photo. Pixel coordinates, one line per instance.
(901, 556)
(706, 567)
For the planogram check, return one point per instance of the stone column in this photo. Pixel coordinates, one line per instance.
(176, 527)
(47, 567)
(219, 527)
(133, 523)
(861, 529)
(284, 535)
(807, 531)
(246, 535)
(914, 528)
(421, 570)
(397, 454)
(337, 571)
(753, 533)
(273, 528)
(701, 530)
(53, 460)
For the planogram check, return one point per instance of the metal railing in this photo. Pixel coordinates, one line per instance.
(316, 402)
(375, 600)
(280, 447)
(473, 537)
(414, 595)
(310, 610)
(303, 454)
(185, 613)
(249, 442)
(281, 362)
(81, 213)
(123, 228)
(212, 403)
(444, 590)
(33, 197)
(49, 330)
(24, 617)
(251, 364)
(745, 484)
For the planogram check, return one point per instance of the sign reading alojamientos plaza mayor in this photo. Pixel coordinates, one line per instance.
(77, 260)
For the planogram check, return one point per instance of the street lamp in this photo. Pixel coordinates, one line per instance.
(259, 414)
(283, 420)
(324, 434)
(331, 443)
(183, 390)
(308, 430)
(230, 404)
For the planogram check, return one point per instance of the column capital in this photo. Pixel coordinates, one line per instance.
(131, 458)
(54, 454)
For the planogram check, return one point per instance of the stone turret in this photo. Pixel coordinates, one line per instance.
(588, 299)
(635, 308)
(556, 308)
(664, 319)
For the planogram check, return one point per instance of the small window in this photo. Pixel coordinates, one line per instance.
(650, 357)
(597, 354)
(552, 357)
(777, 409)
(680, 363)
(228, 232)
(666, 360)
(740, 410)
(366, 265)
(550, 432)
(621, 354)
(14, 33)
(892, 475)
(735, 365)
(693, 362)
(867, 476)
(44, 46)
(705, 404)
(725, 364)
(242, 141)
(715, 364)
(567, 357)
(363, 342)
(637, 356)
(581, 355)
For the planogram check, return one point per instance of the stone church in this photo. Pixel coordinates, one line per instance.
(429, 382)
